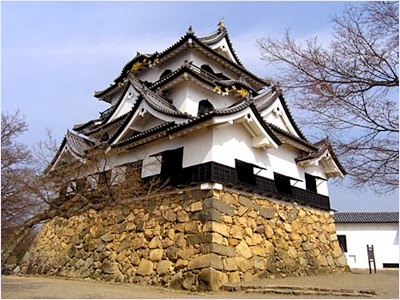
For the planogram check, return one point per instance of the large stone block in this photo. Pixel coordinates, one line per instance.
(138, 243)
(205, 261)
(216, 227)
(218, 249)
(145, 267)
(236, 232)
(247, 202)
(230, 199)
(108, 237)
(164, 267)
(213, 279)
(267, 212)
(155, 242)
(229, 264)
(196, 206)
(109, 267)
(243, 264)
(218, 205)
(190, 281)
(186, 253)
(176, 281)
(169, 215)
(243, 250)
(258, 250)
(156, 255)
(337, 251)
(210, 214)
(191, 227)
(269, 232)
(182, 216)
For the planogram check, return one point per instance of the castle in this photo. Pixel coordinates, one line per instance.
(249, 194)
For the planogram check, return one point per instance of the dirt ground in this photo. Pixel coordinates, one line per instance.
(385, 283)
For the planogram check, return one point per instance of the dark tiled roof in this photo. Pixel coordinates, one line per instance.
(291, 136)
(78, 144)
(145, 134)
(153, 100)
(75, 143)
(366, 217)
(217, 36)
(182, 42)
(202, 75)
(323, 145)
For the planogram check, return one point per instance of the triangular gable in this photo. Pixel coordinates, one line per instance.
(274, 109)
(73, 147)
(262, 136)
(143, 113)
(220, 42)
(125, 104)
(245, 114)
(326, 158)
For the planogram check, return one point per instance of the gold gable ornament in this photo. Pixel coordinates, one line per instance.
(242, 92)
(217, 89)
(136, 66)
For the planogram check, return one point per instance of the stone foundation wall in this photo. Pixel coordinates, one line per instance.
(193, 240)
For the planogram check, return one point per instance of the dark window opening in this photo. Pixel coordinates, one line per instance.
(311, 183)
(165, 73)
(342, 242)
(390, 265)
(282, 184)
(171, 164)
(207, 68)
(205, 106)
(245, 172)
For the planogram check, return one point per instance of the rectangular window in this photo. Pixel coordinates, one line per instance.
(245, 172)
(342, 242)
(311, 183)
(390, 265)
(171, 164)
(282, 184)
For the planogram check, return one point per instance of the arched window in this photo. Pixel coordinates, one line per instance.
(165, 73)
(207, 68)
(205, 106)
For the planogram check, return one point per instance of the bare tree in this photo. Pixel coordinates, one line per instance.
(17, 203)
(69, 188)
(348, 90)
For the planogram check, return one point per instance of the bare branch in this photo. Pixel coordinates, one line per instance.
(349, 90)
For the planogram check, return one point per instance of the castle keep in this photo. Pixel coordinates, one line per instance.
(248, 194)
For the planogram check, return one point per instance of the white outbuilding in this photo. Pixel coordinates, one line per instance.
(356, 230)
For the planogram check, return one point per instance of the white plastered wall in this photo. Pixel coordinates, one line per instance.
(186, 98)
(223, 144)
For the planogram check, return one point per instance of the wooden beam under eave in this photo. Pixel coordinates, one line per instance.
(260, 142)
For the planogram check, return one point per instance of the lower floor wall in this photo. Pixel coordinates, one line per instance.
(193, 240)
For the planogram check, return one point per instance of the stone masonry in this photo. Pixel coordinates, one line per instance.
(194, 240)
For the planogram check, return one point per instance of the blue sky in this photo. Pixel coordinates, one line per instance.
(54, 55)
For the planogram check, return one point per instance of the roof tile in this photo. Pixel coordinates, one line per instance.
(366, 217)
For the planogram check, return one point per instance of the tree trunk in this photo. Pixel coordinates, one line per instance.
(24, 231)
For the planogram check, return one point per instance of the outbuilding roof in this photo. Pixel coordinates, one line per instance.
(366, 217)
